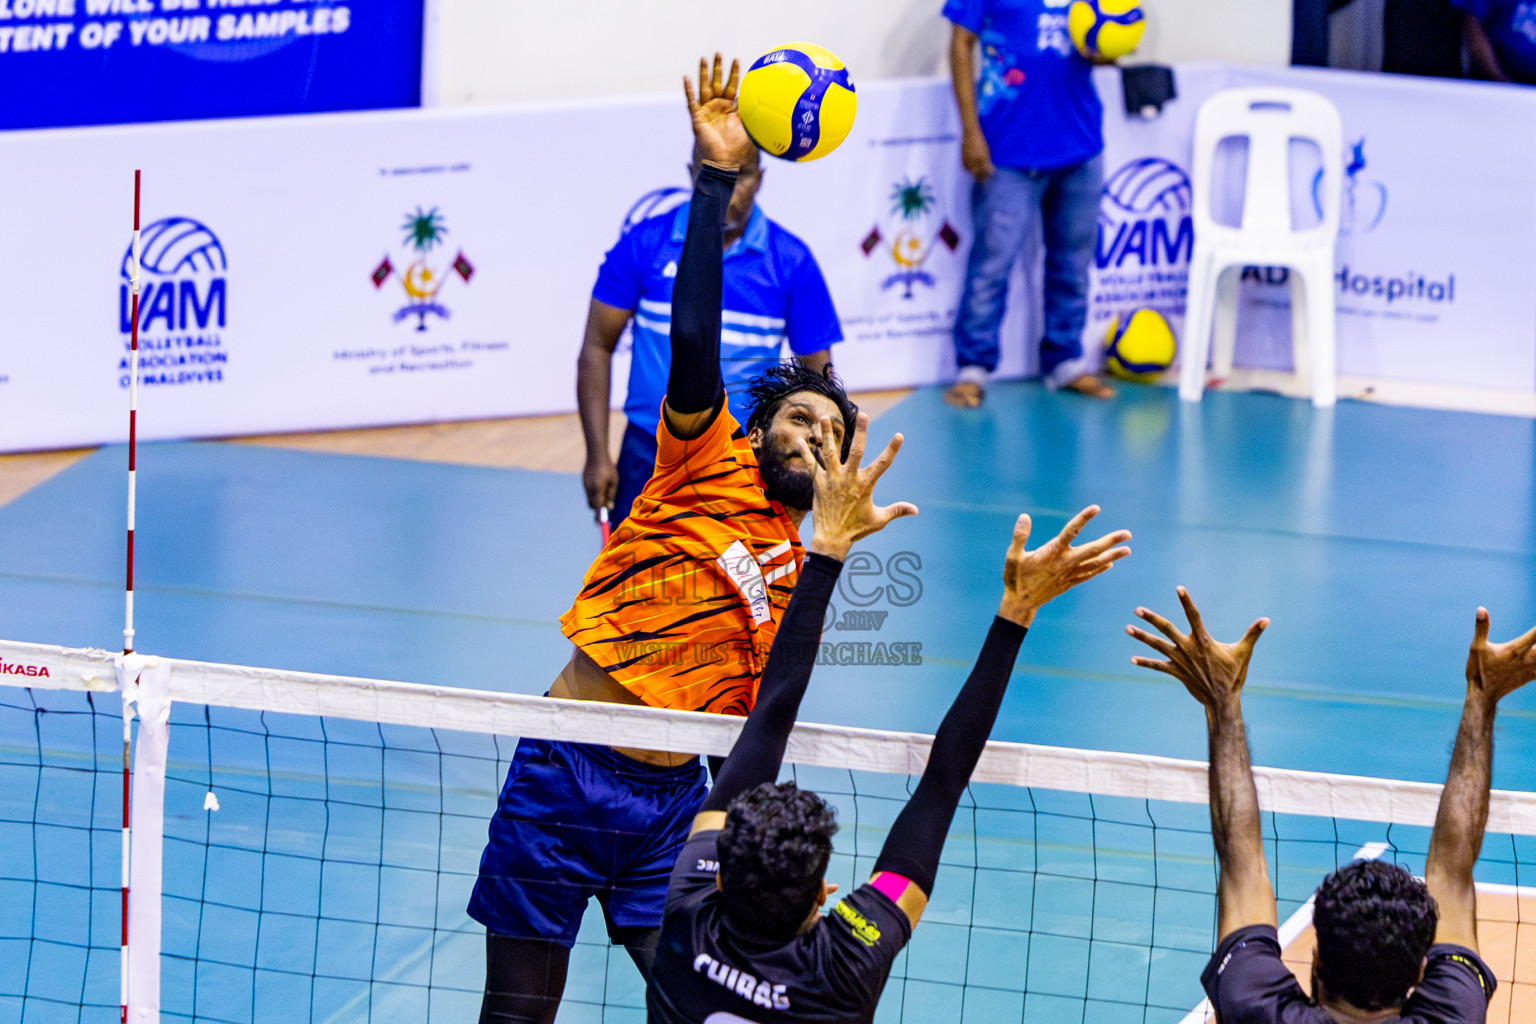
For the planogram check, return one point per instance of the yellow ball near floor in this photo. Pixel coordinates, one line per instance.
(797, 101)
(1105, 28)
(1139, 347)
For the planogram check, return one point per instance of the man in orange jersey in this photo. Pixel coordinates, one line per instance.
(678, 611)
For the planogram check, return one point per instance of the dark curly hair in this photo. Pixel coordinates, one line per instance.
(773, 853)
(1375, 923)
(770, 391)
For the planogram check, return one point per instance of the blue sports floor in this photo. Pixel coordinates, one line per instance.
(1369, 535)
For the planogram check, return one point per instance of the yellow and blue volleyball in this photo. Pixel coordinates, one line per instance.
(1105, 28)
(797, 101)
(1139, 347)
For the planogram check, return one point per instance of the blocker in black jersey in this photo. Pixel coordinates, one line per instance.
(717, 972)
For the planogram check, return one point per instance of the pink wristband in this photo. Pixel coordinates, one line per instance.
(892, 884)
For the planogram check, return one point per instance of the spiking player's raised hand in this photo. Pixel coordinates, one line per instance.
(1031, 578)
(717, 129)
(845, 508)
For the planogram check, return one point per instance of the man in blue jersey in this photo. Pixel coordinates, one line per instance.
(1033, 138)
(1501, 39)
(773, 293)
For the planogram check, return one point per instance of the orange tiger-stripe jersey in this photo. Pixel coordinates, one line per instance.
(682, 604)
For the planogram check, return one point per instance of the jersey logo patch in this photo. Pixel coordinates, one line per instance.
(863, 929)
(738, 564)
(761, 993)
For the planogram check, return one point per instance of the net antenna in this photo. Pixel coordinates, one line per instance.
(133, 448)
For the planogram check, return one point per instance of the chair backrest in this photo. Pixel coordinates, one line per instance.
(1269, 118)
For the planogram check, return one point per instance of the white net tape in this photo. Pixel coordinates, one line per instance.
(1105, 773)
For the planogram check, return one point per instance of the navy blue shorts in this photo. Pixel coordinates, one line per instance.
(576, 821)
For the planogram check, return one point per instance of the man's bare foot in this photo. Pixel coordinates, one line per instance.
(965, 394)
(1089, 385)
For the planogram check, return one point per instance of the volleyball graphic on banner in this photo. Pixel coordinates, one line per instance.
(183, 305)
(797, 102)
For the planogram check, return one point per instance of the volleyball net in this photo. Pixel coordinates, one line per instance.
(303, 847)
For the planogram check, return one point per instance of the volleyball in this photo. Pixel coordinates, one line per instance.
(1139, 347)
(797, 102)
(1109, 29)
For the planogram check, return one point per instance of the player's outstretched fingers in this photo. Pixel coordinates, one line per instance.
(1075, 525)
(812, 459)
(1157, 643)
(1092, 567)
(734, 84)
(1021, 528)
(693, 103)
(1165, 667)
(714, 77)
(1096, 548)
(1196, 625)
(1013, 562)
(1252, 636)
(857, 442)
(830, 453)
(883, 461)
(884, 514)
(1161, 624)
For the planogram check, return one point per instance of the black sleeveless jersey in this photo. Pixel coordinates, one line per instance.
(709, 970)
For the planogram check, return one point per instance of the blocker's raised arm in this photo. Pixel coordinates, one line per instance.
(1214, 673)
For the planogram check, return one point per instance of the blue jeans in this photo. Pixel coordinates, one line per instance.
(637, 462)
(1005, 209)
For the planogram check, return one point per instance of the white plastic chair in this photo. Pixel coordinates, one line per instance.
(1269, 118)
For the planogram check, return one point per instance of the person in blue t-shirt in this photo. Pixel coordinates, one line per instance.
(773, 293)
(1501, 39)
(1033, 139)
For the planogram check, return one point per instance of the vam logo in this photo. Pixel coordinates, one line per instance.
(1144, 216)
(653, 204)
(1364, 200)
(183, 304)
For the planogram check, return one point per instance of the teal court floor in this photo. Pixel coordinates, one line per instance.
(1368, 534)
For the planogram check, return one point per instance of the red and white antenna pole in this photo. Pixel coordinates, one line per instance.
(133, 415)
(133, 442)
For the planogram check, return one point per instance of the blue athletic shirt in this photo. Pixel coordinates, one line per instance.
(1036, 99)
(773, 292)
(1511, 27)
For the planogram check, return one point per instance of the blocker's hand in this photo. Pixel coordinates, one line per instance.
(1496, 670)
(1032, 578)
(844, 506)
(1211, 671)
(717, 129)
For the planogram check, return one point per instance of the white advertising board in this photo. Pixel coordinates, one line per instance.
(336, 271)
(1435, 281)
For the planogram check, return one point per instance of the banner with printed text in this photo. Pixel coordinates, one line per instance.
(83, 62)
(346, 270)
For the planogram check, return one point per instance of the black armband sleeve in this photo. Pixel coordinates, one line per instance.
(915, 841)
(693, 382)
(759, 750)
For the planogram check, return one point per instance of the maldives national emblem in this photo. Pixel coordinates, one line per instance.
(910, 234)
(423, 278)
